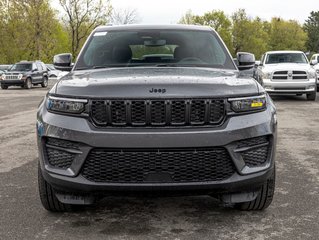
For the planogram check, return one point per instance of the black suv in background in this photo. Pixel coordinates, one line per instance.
(25, 74)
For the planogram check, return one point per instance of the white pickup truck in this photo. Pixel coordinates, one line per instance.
(315, 62)
(287, 72)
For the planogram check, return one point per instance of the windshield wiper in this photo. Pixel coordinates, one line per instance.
(107, 66)
(166, 65)
(188, 65)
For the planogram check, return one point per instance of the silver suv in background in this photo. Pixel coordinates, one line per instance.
(287, 72)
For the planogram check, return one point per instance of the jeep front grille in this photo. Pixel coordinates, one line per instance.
(12, 77)
(158, 165)
(156, 113)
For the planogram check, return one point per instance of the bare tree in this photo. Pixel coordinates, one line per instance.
(124, 16)
(82, 16)
(188, 18)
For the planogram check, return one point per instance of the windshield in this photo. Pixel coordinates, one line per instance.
(275, 58)
(50, 67)
(21, 67)
(154, 48)
(4, 67)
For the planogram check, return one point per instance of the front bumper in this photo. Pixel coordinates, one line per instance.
(80, 130)
(12, 82)
(289, 86)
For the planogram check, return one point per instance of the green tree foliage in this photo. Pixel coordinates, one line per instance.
(220, 22)
(30, 30)
(188, 18)
(311, 27)
(215, 19)
(82, 16)
(287, 35)
(249, 35)
(242, 33)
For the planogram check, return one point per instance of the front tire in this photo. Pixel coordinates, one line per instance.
(28, 83)
(264, 197)
(312, 96)
(4, 87)
(48, 198)
(44, 84)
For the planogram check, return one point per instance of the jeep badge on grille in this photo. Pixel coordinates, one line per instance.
(158, 90)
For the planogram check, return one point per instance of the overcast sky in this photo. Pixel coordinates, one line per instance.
(170, 11)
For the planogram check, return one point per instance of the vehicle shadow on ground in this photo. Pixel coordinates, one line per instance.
(162, 216)
(192, 217)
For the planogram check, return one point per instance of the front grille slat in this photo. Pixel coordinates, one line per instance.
(157, 113)
(198, 109)
(168, 165)
(178, 109)
(138, 114)
(118, 113)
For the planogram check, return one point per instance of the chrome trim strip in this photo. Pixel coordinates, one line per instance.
(69, 99)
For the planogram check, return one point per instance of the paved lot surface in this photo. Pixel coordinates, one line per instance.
(294, 213)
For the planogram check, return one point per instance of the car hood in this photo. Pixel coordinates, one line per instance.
(316, 66)
(15, 72)
(139, 82)
(287, 67)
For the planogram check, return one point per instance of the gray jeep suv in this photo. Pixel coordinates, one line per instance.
(25, 74)
(156, 109)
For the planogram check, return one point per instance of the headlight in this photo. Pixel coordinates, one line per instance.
(20, 76)
(312, 74)
(266, 75)
(247, 104)
(66, 105)
(3, 77)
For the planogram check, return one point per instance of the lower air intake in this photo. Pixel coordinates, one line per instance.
(158, 165)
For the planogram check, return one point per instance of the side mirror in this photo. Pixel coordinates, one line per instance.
(257, 63)
(63, 62)
(313, 62)
(235, 61)
(34, 70)
(245, 60)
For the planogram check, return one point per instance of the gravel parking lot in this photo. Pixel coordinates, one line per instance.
(294, 213)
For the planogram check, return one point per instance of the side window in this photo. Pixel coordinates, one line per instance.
(44, 67)
(39, 67)
(34, 66)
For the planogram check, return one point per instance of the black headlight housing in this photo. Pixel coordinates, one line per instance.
(248, 104)
(66, 105)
